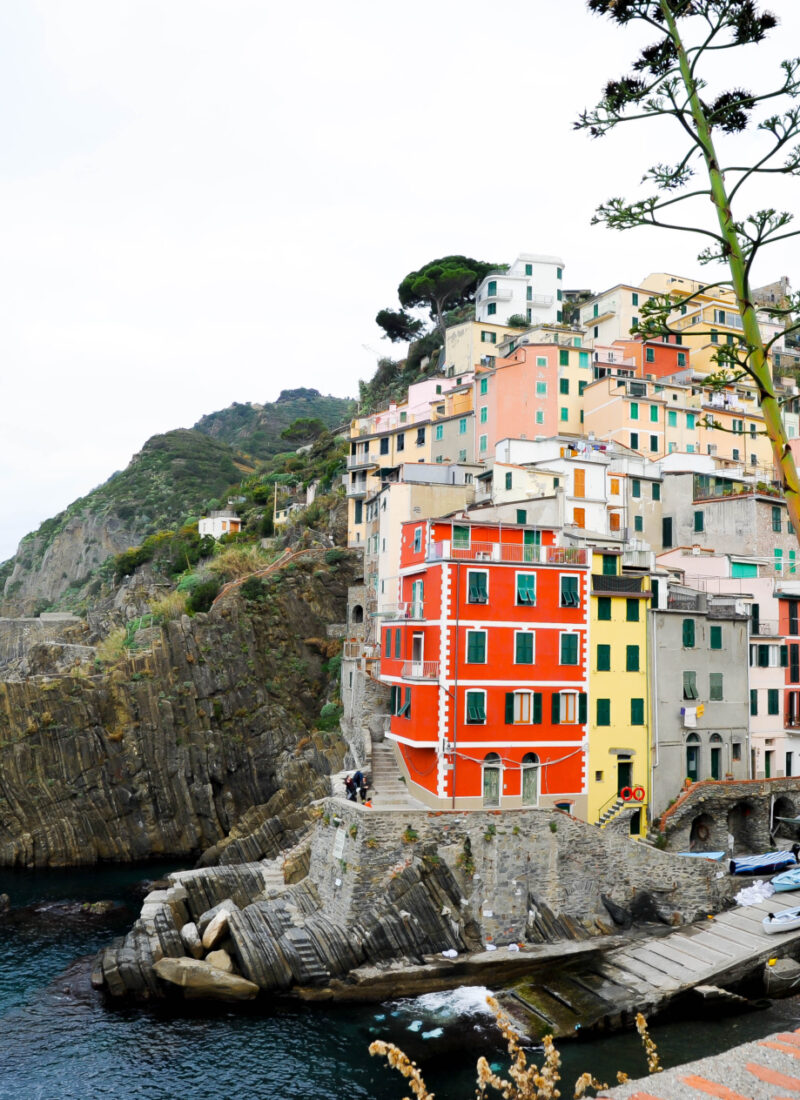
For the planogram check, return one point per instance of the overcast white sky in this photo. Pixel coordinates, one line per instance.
(206, 201)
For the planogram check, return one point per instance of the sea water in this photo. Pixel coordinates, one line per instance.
(60, 1039)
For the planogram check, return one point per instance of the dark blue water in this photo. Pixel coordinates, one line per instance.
(59, 1039)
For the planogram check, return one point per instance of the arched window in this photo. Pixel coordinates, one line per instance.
(530, 779)
(491, 779)
(693, 757)
(357, 615)
(716, 756)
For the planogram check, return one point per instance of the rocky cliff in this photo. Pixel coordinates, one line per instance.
(163, 754)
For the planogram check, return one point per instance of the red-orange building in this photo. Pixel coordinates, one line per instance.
(486, 655)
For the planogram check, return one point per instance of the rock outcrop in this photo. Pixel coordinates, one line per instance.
(394, 889)
(165, 754)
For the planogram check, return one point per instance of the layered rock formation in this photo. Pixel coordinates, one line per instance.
(391, 888)
(166, 753)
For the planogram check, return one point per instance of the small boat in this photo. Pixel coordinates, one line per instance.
(717, 857)
(786, 921)
(787, 880)
(764, 864)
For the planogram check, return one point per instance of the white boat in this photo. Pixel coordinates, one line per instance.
(786, 921)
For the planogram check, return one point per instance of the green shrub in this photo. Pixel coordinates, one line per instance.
(202, 596)
(335, 555)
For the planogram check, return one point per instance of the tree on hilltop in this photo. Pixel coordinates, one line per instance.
(666, 84)
(437, 286)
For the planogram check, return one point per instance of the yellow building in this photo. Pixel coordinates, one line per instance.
(619, 697)
(472, 344)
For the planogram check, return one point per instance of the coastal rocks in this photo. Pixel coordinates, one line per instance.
(220, 960)
(190, 938)
(203, 743)
(217, 929)
(200, 979)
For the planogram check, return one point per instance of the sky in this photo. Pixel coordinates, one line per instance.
(207, 201)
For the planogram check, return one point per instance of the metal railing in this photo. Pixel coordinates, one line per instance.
(420, 670)
(401, 611)
(638, 559)
(766, 627)
(511, 552)
(683, 603)
(359, 489)
(365, 459)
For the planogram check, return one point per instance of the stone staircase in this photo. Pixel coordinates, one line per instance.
(610, 813)
(388, 791)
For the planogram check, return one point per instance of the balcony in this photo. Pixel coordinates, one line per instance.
(420, 670)
(507, 552)
(361, 461)
(638, 559)
(405, 610)
(683, 603)
(607, 583)
(792, 721)
(765, 629)
(355, 488)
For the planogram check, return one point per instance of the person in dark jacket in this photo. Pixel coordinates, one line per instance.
(351, 788)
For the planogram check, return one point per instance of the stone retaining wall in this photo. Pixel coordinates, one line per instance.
(731, 816)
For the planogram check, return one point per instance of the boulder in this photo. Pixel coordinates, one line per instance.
(220, 960)
(190, 938)
(199, 979)
(206, 918)
(216, 930)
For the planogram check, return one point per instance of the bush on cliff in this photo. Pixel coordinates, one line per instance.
(202, 596)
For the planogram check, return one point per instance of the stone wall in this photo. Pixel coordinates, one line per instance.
(365, 702)
(732, 816)
(17, 636)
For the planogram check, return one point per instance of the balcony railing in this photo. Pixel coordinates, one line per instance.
(766, 627)
(420, 670)
(683, 603)
(512, 552)
(792, 721)
(355, 462)
(405, 610)
(354, 489)
(604, 583)
(637, 559)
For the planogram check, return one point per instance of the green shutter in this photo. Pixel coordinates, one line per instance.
(523, 649)
(555, 708)
(509, 708)
(632, 611)
(753, 701)
(784, 656)
(604, 658)
(716, 637)
(637, 712)
(603, 712)
(563, 358)
(773, 704)
(537, 708)
(688, 633)
(582, 704)
(632, 658)
(604, 608)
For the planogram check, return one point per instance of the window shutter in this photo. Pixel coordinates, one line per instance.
(555, 708)
(784, 656)
(537, 708)
(688, 633)
(582, 711)
(509, 708)
(763, 656)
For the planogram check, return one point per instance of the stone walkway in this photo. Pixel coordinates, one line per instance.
(387, 790)
(767, 1069)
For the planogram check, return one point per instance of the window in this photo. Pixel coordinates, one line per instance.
(563, 414)
(484, 386)
(476, 647)
(384, 445)
(567, 707)
(439, 431)
(773, 700)
(476, 707)
(387, 643)
(569, 649)
(604, 608)
(715, 686)
(638, 523)
(632, 611)
(541, 360)
(715, 634)
(398, 642)
(714, 336)
(681, 358)
(690, 418)
(603, 712)
(491, 288)
(753, 702)
(477, 586)
(541, 389)
(401, 441)
(634, 410)
(632, 658)
(460, 537)
(483, 443)
(688, 633)
(698, 521)
(563, 385)
(654, 413)
(634, 299)
(559, 272)
(523, 707)
(526, 588)
(776, 520)
(484, 414)
(420, 436)
(563, 357)
(655, 490)
(583, 361)
(539, 416)
(637, 712)
(690, 685)
(736, 750)
(634, 323)
(672, 419)
(615, 486)
(522, 515)
(523, 647)
(778, 555)
(462, 457)
(794, 663)
(462, 426)
(569, 592)
(560, 294)
(417, 540)
(653, 442)
(529, 269)
(636, 487)
(579, 517)
(735, 455)
(358, 516)
(604, 658)
(793, 617)
(650, 355)
(488, 337)
(491, 309)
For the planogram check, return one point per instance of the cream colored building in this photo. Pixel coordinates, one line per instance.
(468, 345)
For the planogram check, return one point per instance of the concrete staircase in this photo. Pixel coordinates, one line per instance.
(610, 813)
(388, 791)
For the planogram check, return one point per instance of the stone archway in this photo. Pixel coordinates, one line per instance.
(357, 614)
(701, 832)
(743, 827)
(784, 807)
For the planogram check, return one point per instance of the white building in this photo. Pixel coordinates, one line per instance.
(218, 524)
(531, 288)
